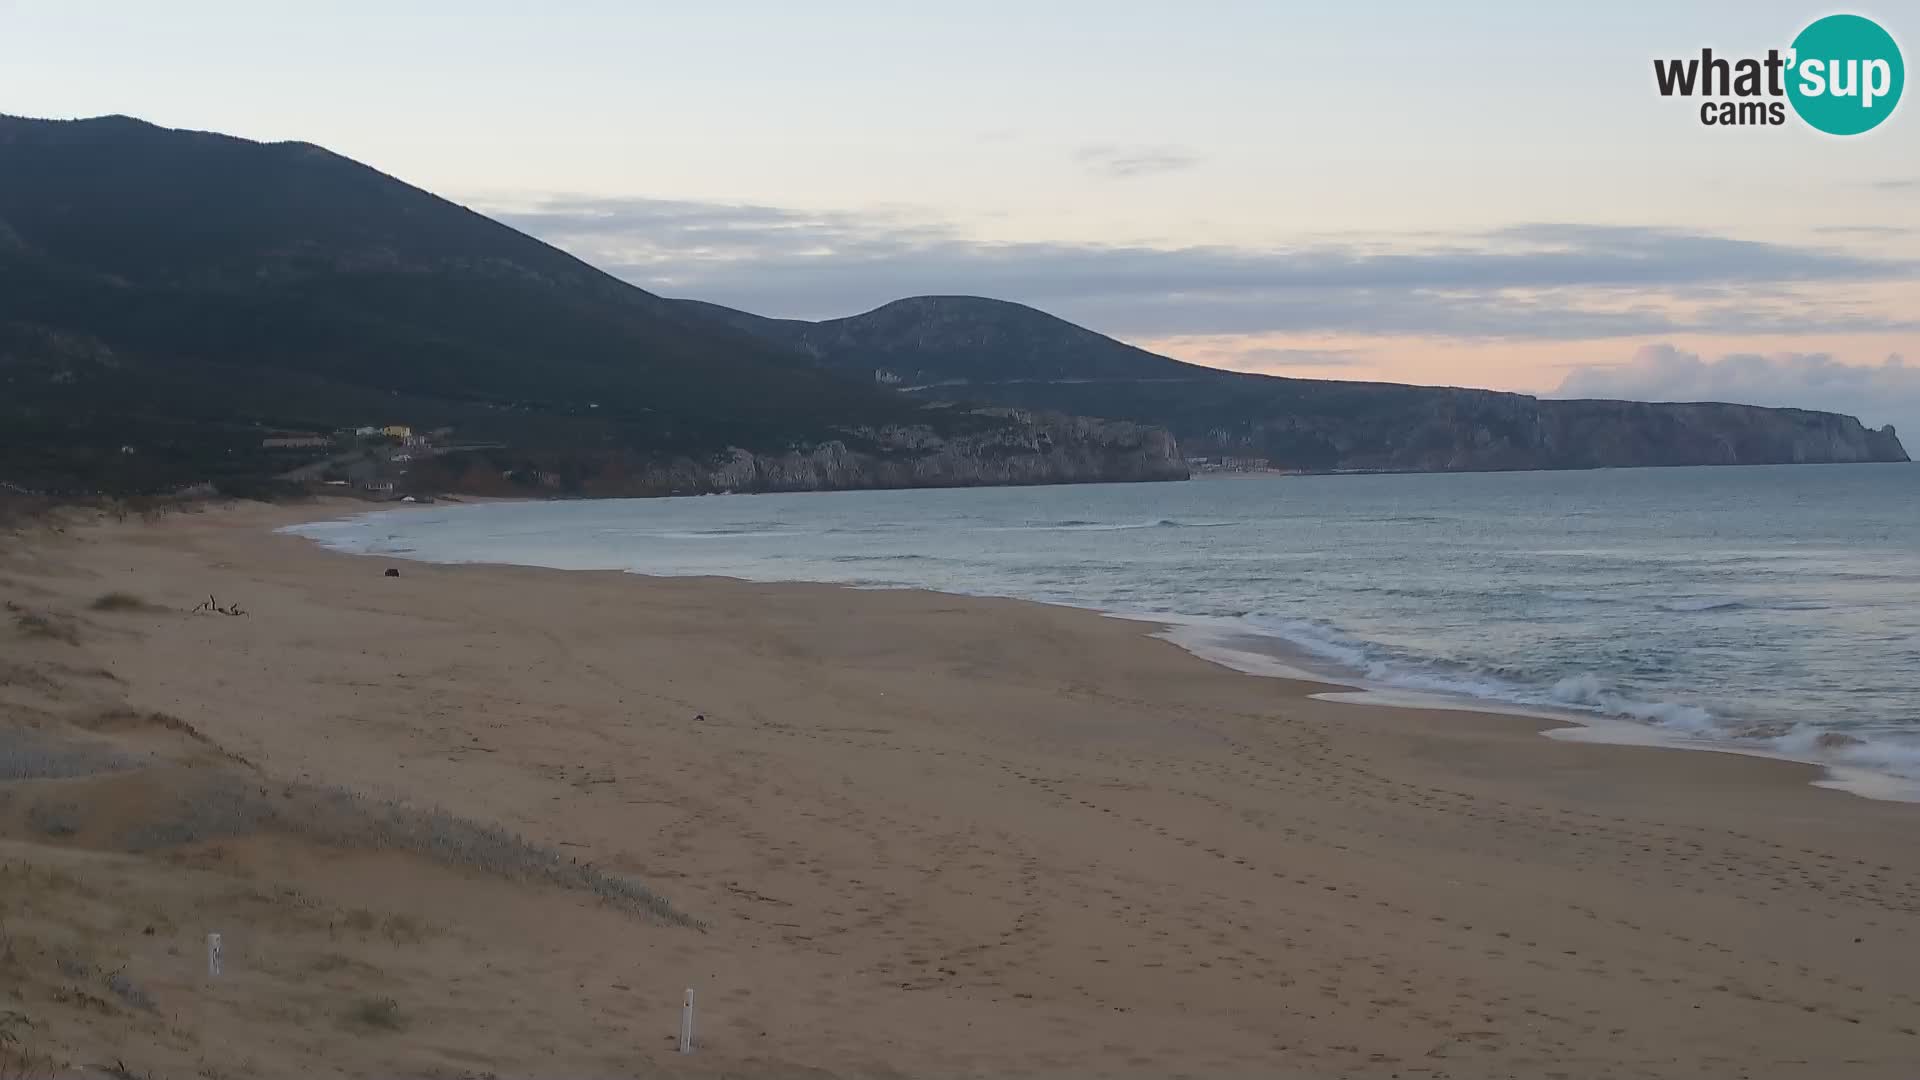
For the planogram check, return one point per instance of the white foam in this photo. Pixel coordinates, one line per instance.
(1405, 699)
(1206, 643)
(1585, 709)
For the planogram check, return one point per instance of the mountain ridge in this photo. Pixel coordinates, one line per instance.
(930, 346)
(167, 297)
(169, 300)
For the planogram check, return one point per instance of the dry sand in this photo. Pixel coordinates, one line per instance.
(926, 835)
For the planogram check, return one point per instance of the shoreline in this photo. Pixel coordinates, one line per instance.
(1284, 659)
(925, 834)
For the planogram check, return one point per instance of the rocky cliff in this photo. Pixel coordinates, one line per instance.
(1004, 447)
(1444, 430)
(1583, 434)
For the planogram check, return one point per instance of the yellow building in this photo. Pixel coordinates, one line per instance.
(398, 431)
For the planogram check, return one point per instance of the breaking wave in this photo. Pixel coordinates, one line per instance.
(1317, 649)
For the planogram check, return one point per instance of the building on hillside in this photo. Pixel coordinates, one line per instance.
(379, 487)
(397, 431)
(364, 432)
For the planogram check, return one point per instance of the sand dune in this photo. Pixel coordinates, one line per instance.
(900, 834)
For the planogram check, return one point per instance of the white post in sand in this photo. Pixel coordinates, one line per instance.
(686, 1024)
(213, 956)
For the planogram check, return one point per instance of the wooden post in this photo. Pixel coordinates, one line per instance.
(686, 1024)
(213, 956)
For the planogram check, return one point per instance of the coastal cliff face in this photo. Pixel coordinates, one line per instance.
(1052, 450)
(1008, 447)
(1445, 430)
(1587, 433)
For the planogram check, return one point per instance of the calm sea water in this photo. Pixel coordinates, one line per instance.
(1771, 609)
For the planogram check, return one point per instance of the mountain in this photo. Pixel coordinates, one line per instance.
(172, 301)
(168, 299)
(936, 339)
(976, 349)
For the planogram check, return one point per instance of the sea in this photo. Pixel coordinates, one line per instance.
(1769, 610)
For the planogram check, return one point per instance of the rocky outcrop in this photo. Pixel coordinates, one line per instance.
(1007, 447)
(1056, 450)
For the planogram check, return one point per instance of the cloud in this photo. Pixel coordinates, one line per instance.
(1863, 230)
(1888, 393)
(1126, 162)
(1553, 281)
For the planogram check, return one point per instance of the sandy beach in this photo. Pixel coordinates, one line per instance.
(901, 833)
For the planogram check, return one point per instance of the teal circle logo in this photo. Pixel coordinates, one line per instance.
(1846, 76)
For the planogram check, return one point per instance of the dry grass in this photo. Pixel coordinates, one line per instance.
(123, 601)
(58, 820)
(24, 756)
(121, 718)
(399, 929)
(352, 820)
(222, 808)
(18, 1062)
(12, 674)
(83, 1000)
(130, 992)
(382, 1014)
(226, 806)
(36, 624)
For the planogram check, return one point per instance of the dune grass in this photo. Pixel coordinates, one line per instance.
(130, 992)
(123, 601)
(55, 819)
(25, 756)
(34, 624)
(218, 804)
(380, 1013)
(336, 817)
(29, 678)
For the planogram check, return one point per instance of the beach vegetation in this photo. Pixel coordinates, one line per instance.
(35, 624)
(380, 1013)
(131, 992)
(25, 757)
(54, 819)
(123, 601)
(228, 805)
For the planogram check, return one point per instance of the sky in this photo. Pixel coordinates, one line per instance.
(1473, 193)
